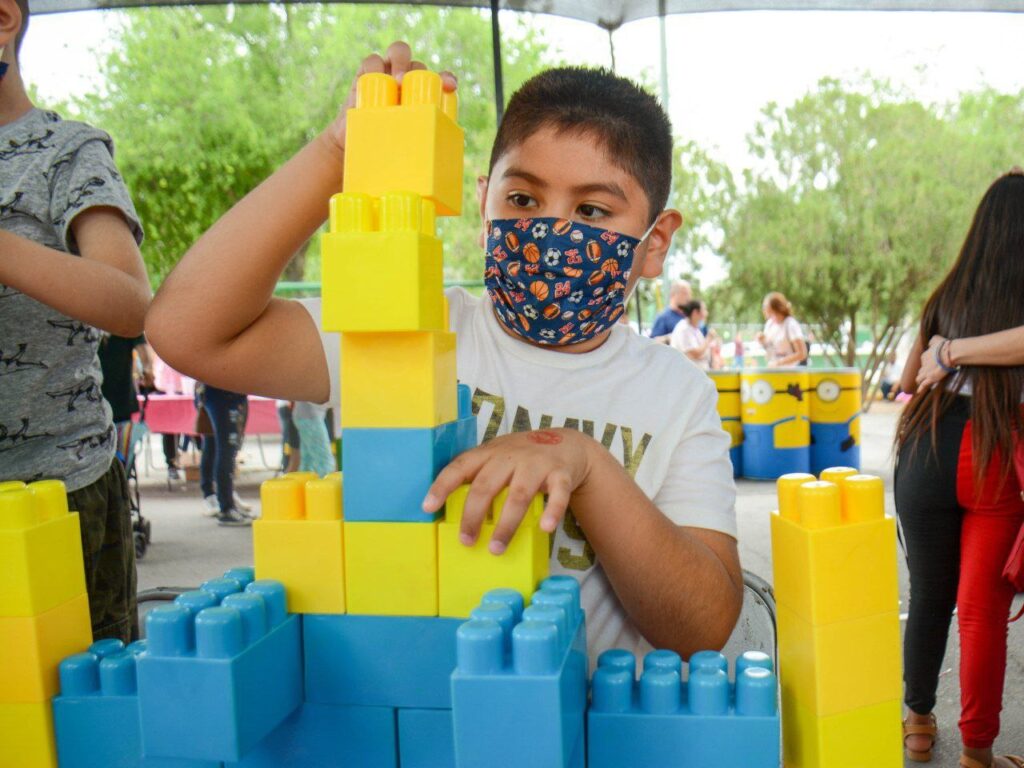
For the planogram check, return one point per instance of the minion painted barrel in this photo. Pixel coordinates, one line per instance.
(728, 385)
(776, 429)
(835, 407)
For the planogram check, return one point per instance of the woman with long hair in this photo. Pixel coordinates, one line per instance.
(957, 495)
(782, 337)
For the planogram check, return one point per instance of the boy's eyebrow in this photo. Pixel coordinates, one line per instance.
(583, 189)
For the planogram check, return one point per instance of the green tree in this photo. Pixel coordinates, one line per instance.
(204, 103)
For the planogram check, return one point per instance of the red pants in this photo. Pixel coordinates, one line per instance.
(990, 524)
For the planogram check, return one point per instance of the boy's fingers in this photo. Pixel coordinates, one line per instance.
(398, 56)
(460, 471)
(417, 65)
(448, 81)
(520, 492)
(487, 484)
(372, 63)
(559, 493)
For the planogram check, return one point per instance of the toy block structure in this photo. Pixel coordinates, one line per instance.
(660, 720)
(834, 561)
(391, 568)
(466, 573)
(521, 679)
(44, 614)
(299, 541)
(425, 738)
(222, 669)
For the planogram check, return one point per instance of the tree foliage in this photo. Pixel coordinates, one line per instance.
(204, 103)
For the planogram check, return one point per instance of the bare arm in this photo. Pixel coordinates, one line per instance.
(105, 287)
(908, 381)
(799, 354)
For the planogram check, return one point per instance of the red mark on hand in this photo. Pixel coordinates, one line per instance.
(544, 437)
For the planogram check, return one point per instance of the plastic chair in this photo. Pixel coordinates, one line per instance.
(756, 628)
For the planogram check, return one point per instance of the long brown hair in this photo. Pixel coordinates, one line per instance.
(779, 303)
(983, 293)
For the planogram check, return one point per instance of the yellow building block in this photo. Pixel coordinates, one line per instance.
(299, 541)
(414, 145)
(32, 647)
(26, 736)
(870, 736)
(838, 667)
(398, 379)
(466, 573)
(391, 568)
(388, 250)
(40, 550)
(827, 569)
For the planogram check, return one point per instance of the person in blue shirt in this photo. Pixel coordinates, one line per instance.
(679, 295)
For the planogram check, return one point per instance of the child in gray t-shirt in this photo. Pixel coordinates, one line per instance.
(71, 266)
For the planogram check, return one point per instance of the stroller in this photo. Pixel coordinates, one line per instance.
(129, 444)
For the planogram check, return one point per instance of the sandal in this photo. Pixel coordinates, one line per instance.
(924, 729)
(969, 762)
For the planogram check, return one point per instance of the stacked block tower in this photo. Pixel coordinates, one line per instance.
(834, 556)
(44, 614)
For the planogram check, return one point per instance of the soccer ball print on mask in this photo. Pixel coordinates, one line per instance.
(555, 281)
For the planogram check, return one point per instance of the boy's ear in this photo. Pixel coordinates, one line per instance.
(481, 199)
(10, 23)
(659, 240)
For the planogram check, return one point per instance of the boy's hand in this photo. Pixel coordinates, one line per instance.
(551, 461)
(396, 62)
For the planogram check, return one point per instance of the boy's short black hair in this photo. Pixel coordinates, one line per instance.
(628, 119)
(23, 7)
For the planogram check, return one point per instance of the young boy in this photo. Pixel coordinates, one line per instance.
(69, 265)
(621, 428)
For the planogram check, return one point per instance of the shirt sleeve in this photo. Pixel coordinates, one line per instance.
(85, 177)
(677, 340)
(660, 327)
(793, 329)
(699, 490)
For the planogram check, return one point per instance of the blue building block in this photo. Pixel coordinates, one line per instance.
(96, 715)
(659, 720)
(425, 738)
(222, 669)
(520, 688)
(833, 445)
(326, 736)
(761, 460)
(381, 661)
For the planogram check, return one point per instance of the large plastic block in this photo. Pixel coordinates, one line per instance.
(387, 661)
(26, 736)
(834, 551)
(325, 736)
(846, 665)
(391, 568)
(398, 379)
(465, 573)
(862, 737)
(223, 668)
(299, 541)
(392, 242)
(659, 720)
(413, 145)
(40, 549)
(520, 675)
(425, 738)
(388, 471)
(31, 648)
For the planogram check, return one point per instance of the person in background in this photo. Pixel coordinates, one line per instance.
(311, 424)
(890, 379)
(687, 338)
(291, 447)
(782, 338)
(227, 412)
(679, 295)
(168, 381)
(738, 350)
(117, 361)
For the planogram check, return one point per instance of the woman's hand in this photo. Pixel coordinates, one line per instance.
(931, 373)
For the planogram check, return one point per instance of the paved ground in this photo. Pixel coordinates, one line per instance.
(188, 548)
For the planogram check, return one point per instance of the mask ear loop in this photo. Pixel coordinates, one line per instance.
(644, 236)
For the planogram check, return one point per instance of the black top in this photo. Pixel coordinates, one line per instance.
(118, 388)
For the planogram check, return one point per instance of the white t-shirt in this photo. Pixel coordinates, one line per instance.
(685, 336)
(649, 405)
(779, 337)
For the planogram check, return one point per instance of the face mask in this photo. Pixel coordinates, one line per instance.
(555, 281)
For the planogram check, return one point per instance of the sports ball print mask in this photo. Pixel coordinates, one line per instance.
(555, 281)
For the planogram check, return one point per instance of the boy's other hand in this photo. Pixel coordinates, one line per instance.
(396, 61)
(551, 461)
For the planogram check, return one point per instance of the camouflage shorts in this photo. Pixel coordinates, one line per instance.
(109, 554)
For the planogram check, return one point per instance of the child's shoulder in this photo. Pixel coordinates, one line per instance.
(63, 136)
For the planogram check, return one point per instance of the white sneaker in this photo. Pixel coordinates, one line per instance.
(232, 518)
(240, 504)
(211, 507)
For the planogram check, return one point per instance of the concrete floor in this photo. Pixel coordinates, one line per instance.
(188, 548)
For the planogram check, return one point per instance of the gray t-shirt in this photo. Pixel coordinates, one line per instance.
(54, 422)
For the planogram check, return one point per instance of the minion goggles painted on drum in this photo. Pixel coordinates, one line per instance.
(776, 429)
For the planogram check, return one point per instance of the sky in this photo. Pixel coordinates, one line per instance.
(722, 67)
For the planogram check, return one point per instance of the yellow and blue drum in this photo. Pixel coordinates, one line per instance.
(728, 385)
(835, 400)
(776, 428)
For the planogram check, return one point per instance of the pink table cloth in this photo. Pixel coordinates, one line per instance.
(176, 415)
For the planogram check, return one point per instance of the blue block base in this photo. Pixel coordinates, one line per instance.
(324, 736)
(832, 446)
(425, 738)
(385, 661)
(762, 461)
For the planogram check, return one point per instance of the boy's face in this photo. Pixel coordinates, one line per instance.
(569, 175)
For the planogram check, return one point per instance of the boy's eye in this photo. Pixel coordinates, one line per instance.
(521, 200)
(591, 211)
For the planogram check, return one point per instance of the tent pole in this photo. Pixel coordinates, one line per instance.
(499, 80)
(666, 283)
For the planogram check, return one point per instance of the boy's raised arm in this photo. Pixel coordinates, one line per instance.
(215, 317)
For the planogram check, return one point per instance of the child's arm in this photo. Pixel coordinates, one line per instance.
(106, 286)
(215, 318)
(681, 586)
